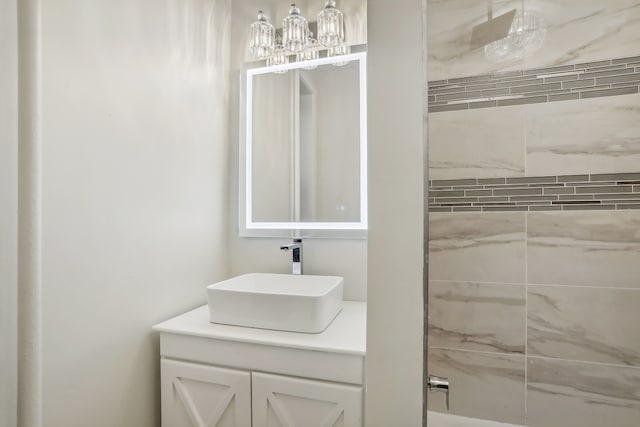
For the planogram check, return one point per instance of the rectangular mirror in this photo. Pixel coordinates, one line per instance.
(305, 150)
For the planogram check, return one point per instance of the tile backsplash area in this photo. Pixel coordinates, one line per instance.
(534, 222)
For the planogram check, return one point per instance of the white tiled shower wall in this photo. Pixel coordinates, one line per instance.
(533, 315)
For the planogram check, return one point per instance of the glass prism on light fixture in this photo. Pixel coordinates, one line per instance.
(280, 56)
(294, 31)
(310, 53)
(307, 55)
(330, 25)
(339, 51)
(262, 37)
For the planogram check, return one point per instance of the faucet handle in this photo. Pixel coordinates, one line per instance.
(297, 243)
(439, 385)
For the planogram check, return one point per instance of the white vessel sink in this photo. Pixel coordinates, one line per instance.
(285, 302)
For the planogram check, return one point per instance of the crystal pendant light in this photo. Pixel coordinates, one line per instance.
(330, 25)
(262, 37)
(294, 31)
(279, 56)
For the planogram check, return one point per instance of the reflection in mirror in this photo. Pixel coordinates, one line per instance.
(305, 153)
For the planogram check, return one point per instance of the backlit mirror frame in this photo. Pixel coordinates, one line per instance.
(251, 228)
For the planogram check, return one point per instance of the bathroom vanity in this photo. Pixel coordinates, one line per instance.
(221, 375)
(314, 152)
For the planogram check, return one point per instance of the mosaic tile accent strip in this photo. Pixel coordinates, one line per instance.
(610, 77)
(536, 193)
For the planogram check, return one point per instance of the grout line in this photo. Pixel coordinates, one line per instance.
(473, 282)
(476, 282)
(526, 313)
(611, 365)
(619, 288)
(495, 353)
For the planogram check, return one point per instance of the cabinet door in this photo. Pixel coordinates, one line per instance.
(294, 402)
(204, 396)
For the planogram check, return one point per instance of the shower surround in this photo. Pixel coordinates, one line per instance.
(534, 220)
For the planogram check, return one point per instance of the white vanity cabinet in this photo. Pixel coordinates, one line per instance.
(219, 375)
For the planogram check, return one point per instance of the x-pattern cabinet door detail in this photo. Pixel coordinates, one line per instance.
(280, 401)
(195, 395)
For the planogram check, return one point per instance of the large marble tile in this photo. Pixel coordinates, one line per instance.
(477, 247)
(600, 135)
(590, 324)
(449, 28)
(585, 30)
(477, 316)
(483, 143)
(575, 394)
(576, 31)
(589, 248)
(482, 385)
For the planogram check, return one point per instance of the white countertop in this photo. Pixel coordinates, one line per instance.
(346, 334)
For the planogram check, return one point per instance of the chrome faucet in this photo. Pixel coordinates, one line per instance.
(439, 384)
(296, 251)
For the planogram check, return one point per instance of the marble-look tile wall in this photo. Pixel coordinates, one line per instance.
(468, 247)
(543, 301)
(484, 385)
(562, 393)
(600, 249)
(535, 316)
(600, 135)
(496, 323)
(480, 144)
(577, 31)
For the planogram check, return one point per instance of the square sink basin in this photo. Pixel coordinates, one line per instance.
(285, 302)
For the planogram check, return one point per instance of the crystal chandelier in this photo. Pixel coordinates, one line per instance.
(526, 35)
(295, 39)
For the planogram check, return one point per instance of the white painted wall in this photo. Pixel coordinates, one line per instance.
(343, 257)
(135, 169)
(394, 300)
(8, 211)
(135, 98)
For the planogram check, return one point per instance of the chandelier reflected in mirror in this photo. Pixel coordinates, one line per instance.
(526, 36)
(295, 41)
